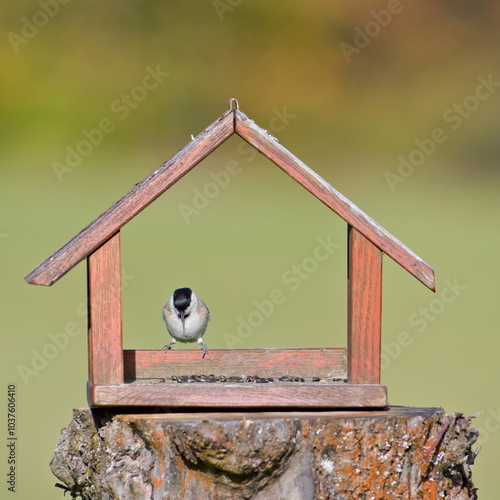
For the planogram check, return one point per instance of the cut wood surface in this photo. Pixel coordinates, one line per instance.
(399, 454)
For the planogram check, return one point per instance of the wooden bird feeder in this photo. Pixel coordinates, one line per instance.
(310, 378)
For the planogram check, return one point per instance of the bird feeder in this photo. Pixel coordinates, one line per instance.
(302, 378)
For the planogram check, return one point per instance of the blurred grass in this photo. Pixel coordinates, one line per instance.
(350, 124)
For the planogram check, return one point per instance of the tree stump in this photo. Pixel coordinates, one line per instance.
(401, 453)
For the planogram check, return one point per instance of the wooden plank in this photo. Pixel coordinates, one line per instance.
(224, 395)
(144, 193)
(323, 363)
(105, 314)
(316, 185)
(364, 304)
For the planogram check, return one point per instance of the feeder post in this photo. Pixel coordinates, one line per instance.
(364, 309)
(268, 455)
(105, 314)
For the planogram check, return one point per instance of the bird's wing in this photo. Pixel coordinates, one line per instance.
(208, 310)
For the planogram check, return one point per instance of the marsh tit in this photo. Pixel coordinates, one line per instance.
(186, 316)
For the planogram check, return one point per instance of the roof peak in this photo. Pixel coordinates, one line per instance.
(231, 122)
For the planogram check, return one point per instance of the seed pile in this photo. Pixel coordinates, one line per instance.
(190, 379)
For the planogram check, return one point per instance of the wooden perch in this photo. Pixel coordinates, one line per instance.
(403, 453)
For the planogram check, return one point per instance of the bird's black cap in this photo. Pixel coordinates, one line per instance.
(182, 298)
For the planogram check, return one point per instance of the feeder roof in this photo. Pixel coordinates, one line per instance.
(153, 186)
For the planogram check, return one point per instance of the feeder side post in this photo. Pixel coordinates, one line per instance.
(364, 315)
(105, 314)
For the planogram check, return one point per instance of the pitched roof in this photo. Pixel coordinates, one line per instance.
(231, 122)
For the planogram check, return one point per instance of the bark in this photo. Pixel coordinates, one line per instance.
(402, 453)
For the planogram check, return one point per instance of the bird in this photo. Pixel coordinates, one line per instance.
(186, 317)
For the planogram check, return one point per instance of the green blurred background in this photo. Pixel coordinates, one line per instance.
(351, 88)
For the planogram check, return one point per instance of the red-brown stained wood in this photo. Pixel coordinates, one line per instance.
(144, 193)
(272, 149)
(364, 304)
(223, 395)
(105, 314)
(108, 363)
(324, 363)
(161, 179)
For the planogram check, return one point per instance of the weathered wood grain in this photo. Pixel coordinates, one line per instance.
(144, 193)
(105, 314)
(295, 168)
(364, 309)
(242, 395)
(292, 455)
(161, 179)
(323, 363)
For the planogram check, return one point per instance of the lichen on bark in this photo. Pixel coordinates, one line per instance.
(403, 453)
